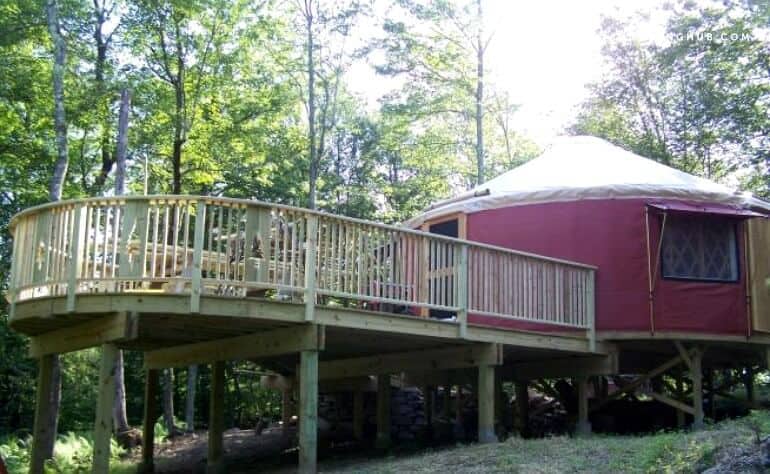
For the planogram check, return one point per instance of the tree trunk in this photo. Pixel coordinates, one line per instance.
(189, 412)
(55, 193)
(176, 163)
(311, 131)
(168, 401)
(119, 407)
(180, 127)
(121, 148)
(102, 46)
(479, 96)
(60, 122)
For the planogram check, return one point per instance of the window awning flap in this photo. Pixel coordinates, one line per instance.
(717, 209)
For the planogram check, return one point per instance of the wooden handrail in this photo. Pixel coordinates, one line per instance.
(239, 248)
(257, 203)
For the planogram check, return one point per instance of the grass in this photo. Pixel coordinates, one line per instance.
(668, 452)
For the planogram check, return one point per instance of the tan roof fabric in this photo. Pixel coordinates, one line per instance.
(584, 167)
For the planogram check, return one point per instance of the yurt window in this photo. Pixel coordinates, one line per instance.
(699, 248)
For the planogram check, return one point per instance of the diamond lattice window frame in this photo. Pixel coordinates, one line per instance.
(699, 248)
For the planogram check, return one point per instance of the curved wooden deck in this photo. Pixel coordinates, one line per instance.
(203, 280)
(238, 251)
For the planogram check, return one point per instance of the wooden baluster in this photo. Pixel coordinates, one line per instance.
(175, 251)
(186, 233)
(166, 232)
(77, 254)
(117, 215)
(462, 294)
(196, 284)
(310, 267)
(154, 255)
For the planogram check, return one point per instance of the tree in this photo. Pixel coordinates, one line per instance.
(439, 50)
(181, 45)
(325, 27)
(119, 409)
(699, 103)
(46, 444)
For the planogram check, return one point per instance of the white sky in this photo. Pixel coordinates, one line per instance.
(543, 54)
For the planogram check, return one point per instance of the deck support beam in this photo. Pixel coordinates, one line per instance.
(285, 410)
(215, 462)
(486, 404)
(748, 382)
(428, 396)
(41, 430)
(563, 367)
(358, 415)
(251, 346)
(680, 418)
(383, 412)
(308, 417)
(150, 416)
(104, 403)
(466, 356)
(696, 373)
(522, 408)
(116, 327)
(583, 427)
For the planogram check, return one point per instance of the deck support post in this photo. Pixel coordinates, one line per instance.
(447, 399)
(428, 392)
(150, 416)
(696, 373)
(383, 411)
(358, 415)
(680, 396)
(583, 427)
(45, 385)
(499, 401)
(522, 408)
(308, 415)
(486, 404)
(215, 464)
(285, 410)
(708, 381)
(459, 426)
(748, 382)
(104, 403)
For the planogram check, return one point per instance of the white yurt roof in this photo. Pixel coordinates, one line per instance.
(585, 167)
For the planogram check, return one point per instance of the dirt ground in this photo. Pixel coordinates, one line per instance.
(245, 451)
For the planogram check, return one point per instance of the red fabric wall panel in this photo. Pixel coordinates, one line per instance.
(611, 235)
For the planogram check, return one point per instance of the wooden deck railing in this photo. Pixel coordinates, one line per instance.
(237, 248)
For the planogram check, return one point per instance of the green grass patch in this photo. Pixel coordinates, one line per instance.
(665, 452)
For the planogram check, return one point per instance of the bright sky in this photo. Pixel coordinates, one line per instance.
(543, 54)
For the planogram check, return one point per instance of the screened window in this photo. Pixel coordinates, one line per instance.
(698, 248)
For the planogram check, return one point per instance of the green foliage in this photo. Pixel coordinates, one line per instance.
(700, 102)
(73, 453)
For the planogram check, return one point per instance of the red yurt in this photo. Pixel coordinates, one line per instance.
(676, 254)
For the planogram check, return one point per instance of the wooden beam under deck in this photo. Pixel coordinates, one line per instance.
(472, 355)
(39, 312)
(251, 346)
(562, 368)
(117, 327)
